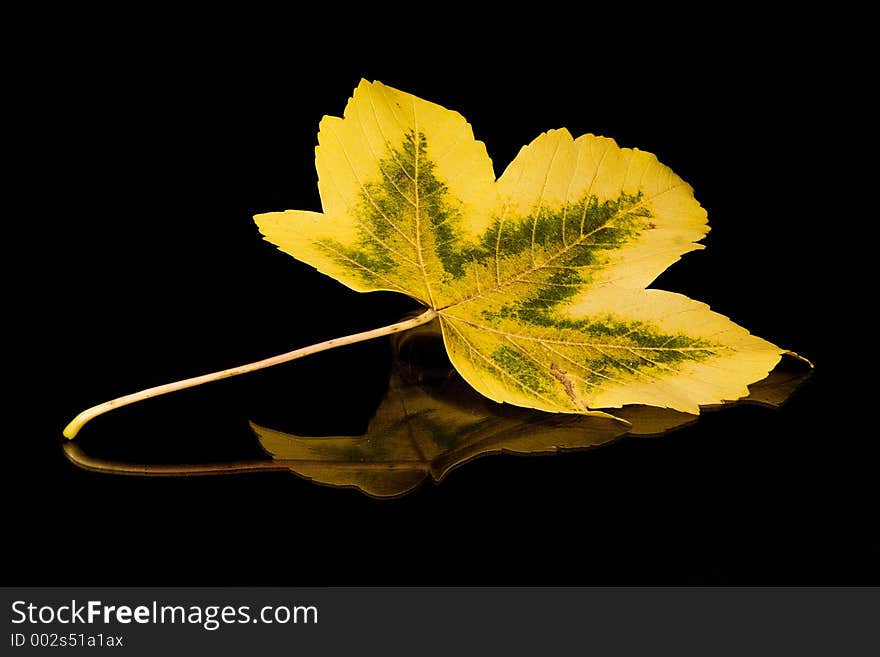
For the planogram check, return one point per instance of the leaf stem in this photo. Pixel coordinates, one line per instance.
(82, 460)
(80, 420)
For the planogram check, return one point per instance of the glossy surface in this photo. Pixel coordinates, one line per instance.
(430, 421)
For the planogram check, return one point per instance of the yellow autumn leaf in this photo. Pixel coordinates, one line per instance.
(538, 278)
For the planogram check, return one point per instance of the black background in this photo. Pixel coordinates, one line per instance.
(147, 153)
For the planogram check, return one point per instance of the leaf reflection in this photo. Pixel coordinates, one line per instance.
(431, 421)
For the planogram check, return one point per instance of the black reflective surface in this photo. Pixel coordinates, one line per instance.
(136, 263)
(429, 421)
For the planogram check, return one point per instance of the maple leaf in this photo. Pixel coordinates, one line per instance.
(538, 278)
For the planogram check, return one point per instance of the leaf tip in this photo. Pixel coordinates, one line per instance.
(797, 356)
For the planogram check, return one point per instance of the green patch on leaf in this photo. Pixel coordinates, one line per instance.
(521, 369)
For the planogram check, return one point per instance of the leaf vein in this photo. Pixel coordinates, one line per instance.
(617, 215)
(366, 193)
(581, 366)
(357, 264)
(417, 211)
(573, 343)
(504, 372)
